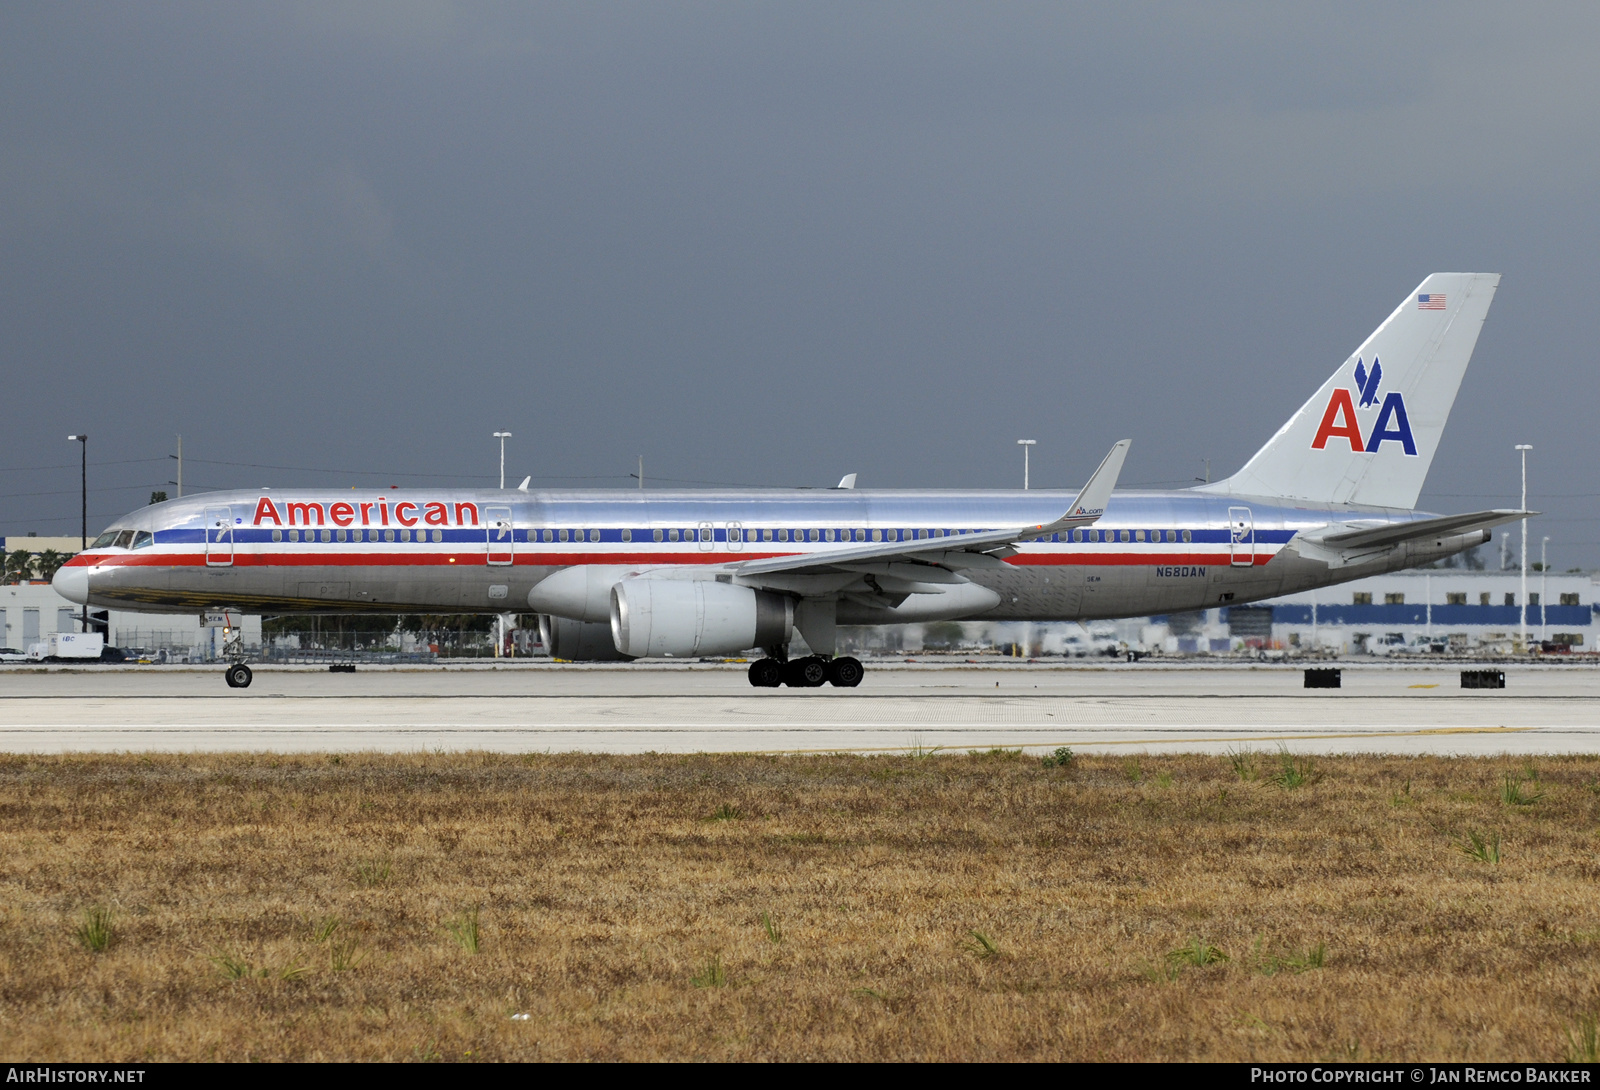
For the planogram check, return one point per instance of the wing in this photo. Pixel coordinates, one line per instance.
(961, 551)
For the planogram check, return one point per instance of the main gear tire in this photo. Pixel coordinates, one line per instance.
(239, 676)
(806, 673)
(845, 672)
(766, 673)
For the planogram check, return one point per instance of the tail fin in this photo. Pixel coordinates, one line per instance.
(1369, 434)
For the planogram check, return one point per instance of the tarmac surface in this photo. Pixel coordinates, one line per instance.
(697, 707)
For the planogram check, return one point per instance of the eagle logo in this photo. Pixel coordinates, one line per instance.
(1367, 385)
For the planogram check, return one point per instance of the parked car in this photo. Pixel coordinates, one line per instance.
(11, 654)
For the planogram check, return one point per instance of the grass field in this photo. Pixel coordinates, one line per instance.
(931, 906)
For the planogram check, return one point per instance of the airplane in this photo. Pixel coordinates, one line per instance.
(628, 574)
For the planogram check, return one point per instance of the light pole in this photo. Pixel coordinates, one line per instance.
(1524, 448)
(83, 480)
(502, 436)
(1025, 444)
(1544, 583)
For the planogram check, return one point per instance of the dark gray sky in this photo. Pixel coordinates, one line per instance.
(341, 243)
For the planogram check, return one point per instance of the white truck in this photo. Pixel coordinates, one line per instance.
(69, 646)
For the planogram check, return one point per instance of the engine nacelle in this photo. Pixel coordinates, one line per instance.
(685, 617)
(578, 641)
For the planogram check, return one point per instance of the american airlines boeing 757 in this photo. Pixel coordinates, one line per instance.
(634, 574)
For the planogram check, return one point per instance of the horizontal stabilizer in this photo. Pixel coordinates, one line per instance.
(1355, 535)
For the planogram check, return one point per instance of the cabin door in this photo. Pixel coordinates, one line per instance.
(219, 537)
(499, 534)
(1241, 537)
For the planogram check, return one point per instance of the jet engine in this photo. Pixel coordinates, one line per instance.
(578, 641)
(684, 617)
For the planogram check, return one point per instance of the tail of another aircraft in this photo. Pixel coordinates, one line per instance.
(1368, 435)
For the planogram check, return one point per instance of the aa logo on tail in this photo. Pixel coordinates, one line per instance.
(1339, 420)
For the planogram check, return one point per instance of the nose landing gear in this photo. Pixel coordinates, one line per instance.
(807, 673)
(238, 675)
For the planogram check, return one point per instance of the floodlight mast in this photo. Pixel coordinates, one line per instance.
(502, 436)
(1025, 444)
(1523, 628)
(83, 469)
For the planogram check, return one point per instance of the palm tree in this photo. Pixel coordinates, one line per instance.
(48, 563)
(19, 565)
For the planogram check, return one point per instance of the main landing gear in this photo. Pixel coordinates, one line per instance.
(238, 676)
(807, 673)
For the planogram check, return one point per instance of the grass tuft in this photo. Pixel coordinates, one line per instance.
(374, 872)
(1513, 794)
(1298, 961)
(726, 812)
(1484, 848)
(1402, 797)
(464, 928)
(981, 946)
(1295, 771)
(770, 926)
(1246, 764)
(1583, 1040)
(324, 929)
(1061, 758)
(711, 974)
(1198, 953)
(96, 932)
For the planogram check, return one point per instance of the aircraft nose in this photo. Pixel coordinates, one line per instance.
(72, 583)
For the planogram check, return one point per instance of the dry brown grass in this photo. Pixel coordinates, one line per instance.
(738, 907)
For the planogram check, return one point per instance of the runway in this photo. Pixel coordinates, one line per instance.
(710, 707)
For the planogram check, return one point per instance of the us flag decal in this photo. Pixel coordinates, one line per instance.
(1430, 302)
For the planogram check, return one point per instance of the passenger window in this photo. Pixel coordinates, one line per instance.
(1123, 535)
(594, 535)
(861, 535)
(342, 535)
(827, 535)
(766, 535)
(1077, 535)
(438, 535)
(294, 535)
(733, 533)
(327, 535)
(1138, 535)
(405, 535)
(388, 535)
(562, 535)
(877, 535)
(1187, 536)
(277, 535)
(656, 535)
(1172, 535)
(627, 534)
(783, 535)
(672, 535)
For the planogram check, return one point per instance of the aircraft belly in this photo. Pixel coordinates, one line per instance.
(259, 588)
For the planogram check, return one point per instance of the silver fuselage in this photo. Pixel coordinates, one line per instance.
(433, 552)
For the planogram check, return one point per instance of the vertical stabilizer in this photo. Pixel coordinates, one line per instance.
(1369, 434)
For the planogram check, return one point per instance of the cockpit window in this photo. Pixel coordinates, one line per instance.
(143, 539)
(124, 539)
(104, 541)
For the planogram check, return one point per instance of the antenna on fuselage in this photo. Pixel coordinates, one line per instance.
(847, 481)
(523, 487)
